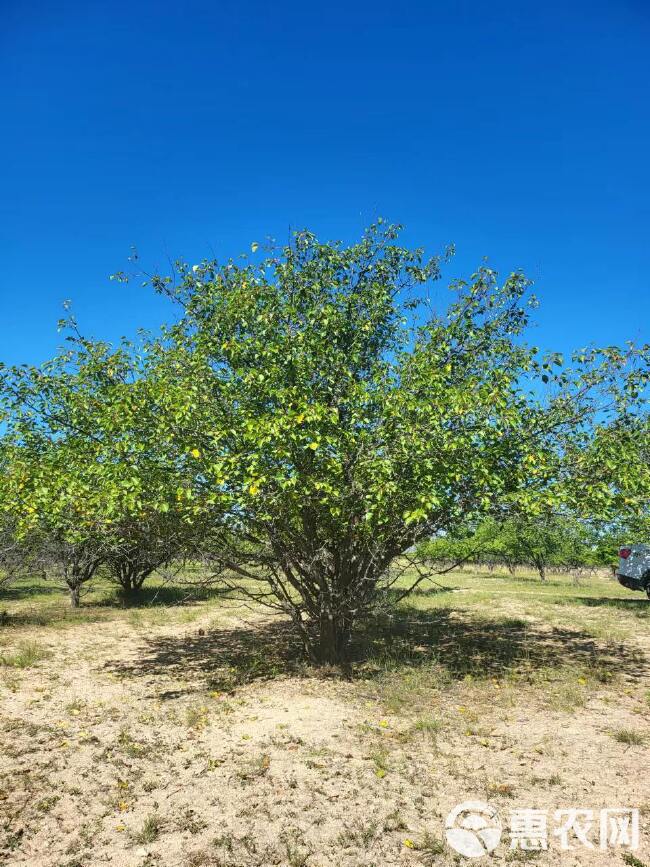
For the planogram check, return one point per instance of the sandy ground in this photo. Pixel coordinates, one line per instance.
(141, 747)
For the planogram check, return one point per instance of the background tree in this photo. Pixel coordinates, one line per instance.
(542, 542)
(471, 543)
(52, 499)
(87, 478)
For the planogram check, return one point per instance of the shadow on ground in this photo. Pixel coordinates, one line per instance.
(219, 659)
(223, 659)
(461, 645)
(169, 594)
(639, 607)
(57, 610)
(23, 590)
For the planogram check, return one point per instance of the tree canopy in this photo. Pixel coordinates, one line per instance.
(342, 413)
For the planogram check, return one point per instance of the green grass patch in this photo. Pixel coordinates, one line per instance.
(26, 654)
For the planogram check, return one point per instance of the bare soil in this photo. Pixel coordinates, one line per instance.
(199, 743)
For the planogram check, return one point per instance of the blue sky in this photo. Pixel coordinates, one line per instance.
(519, 131)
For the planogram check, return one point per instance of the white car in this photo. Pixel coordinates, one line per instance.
(634, 567)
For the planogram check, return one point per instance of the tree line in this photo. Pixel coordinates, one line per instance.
(311, 416)
(561, 543)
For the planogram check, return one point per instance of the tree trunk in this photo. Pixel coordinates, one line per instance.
(131, 580)
(333, 639)
(75, 593)
(129, 594)
(125, 576)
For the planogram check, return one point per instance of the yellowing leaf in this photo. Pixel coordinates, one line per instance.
(313, 446)
(254, 246)
(409, 844)
(195, 453)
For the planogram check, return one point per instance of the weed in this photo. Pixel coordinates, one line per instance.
(429, 844)
(75, 707)
(296, 857)
(133, 749)
(631, 737)
(255, 768)
(10, 680)
(190, 822)
(150, 830)
(427, 726)
(28, 653)
(225, 841)
(200, 858)
(521, 855)
(394, 822)
(196, 717)
(379, 758)
(506, 790)
(46, 804)
(362, 836)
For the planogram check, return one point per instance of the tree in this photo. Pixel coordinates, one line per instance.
(473, 543)
(339, 414)
(51, 499)
(12, 554)
(86, 478)
(137, 548)
(616, 465)
(543, 541)
(540, 541)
